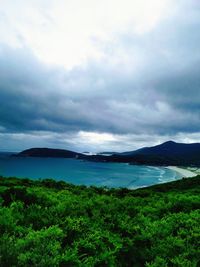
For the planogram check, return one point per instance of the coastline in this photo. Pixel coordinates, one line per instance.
(184, 172)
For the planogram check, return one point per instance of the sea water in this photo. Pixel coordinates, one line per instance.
(85, 172)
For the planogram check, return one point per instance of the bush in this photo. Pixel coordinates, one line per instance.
(49, 223)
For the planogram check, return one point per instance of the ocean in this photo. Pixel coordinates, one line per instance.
(85, 172)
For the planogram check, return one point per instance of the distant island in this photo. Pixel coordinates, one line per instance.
(168, 153)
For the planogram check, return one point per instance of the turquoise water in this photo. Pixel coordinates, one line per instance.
(85, 172)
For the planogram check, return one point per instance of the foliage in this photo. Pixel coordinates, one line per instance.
(49, 223)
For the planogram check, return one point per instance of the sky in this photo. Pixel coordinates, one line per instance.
(109, 75)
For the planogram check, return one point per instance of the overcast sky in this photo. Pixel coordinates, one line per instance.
(99, 75)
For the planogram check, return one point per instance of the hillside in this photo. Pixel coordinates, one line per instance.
(48, 223)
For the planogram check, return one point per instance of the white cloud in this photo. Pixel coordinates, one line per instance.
(96, 138)
(63, 32)
(88, 141)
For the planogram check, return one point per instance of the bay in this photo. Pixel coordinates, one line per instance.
(85, 172)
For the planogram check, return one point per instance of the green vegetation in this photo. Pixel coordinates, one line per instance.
(49, 223)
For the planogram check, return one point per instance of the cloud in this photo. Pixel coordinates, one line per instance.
(62, 32)
(144, 83)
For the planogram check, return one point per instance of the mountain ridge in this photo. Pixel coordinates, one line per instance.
(167, 153)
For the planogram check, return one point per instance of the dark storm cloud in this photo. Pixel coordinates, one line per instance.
(31, 97)
(155, 92)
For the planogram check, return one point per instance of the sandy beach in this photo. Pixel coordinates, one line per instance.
(183, 172)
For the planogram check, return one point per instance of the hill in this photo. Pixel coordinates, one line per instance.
(48, 223)
(48, 152)
(168, 153)
(167, 149)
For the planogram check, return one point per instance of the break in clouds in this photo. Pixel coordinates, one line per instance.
(137, 85)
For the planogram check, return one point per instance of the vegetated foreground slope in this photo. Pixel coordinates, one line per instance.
(49, 223)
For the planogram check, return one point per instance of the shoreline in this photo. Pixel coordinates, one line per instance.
(184, 172)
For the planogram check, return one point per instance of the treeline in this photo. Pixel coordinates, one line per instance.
(48, 223)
